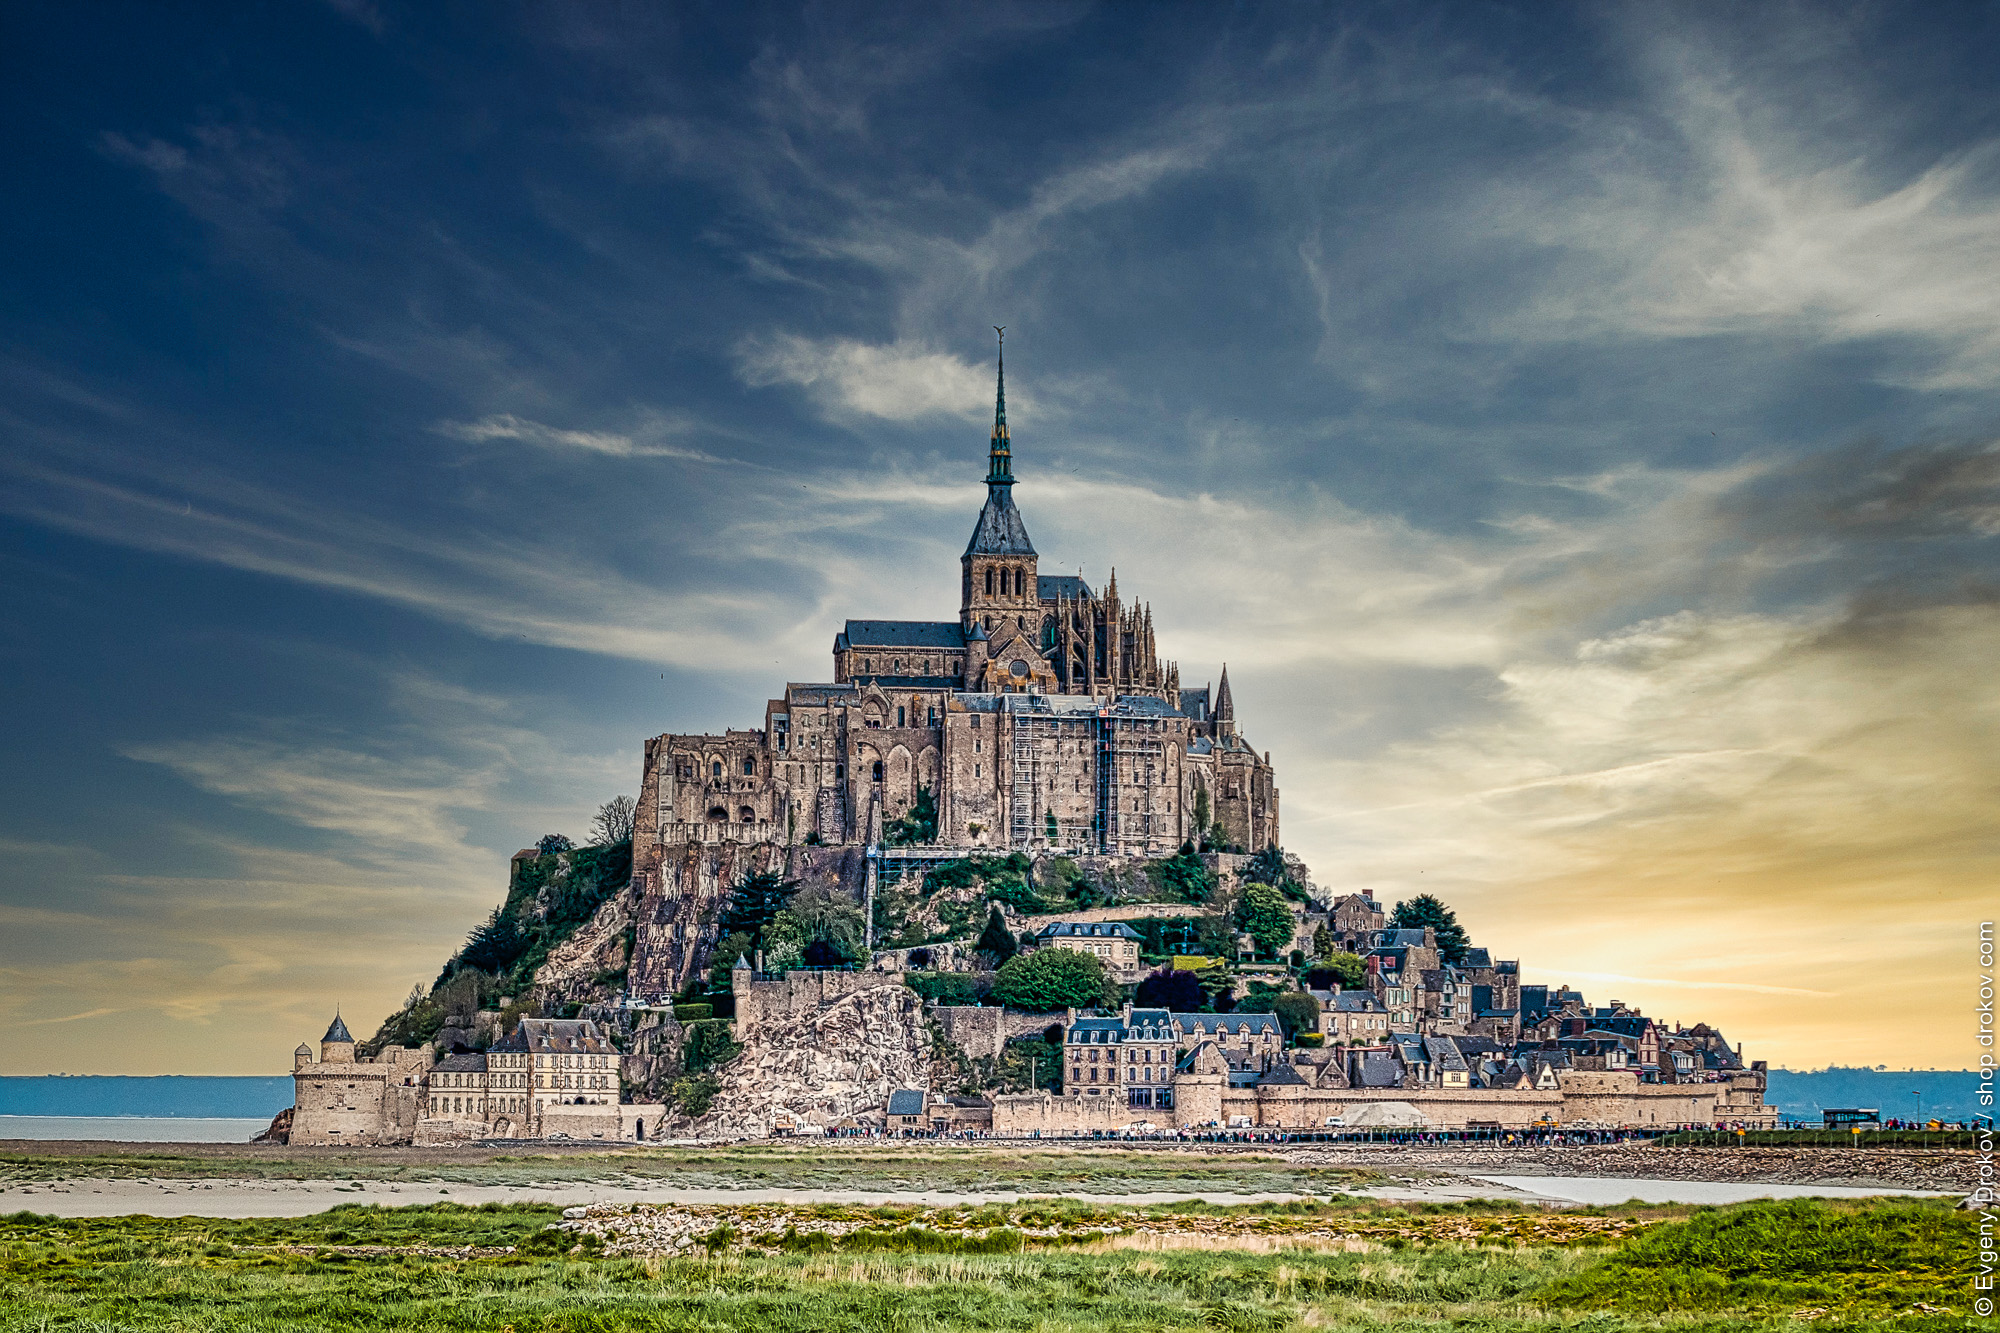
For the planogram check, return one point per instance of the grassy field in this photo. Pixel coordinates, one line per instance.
(1906, 1266)
(916, 1165)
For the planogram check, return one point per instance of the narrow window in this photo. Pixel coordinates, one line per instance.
(989, 582)
(749, 768)
(899, 716)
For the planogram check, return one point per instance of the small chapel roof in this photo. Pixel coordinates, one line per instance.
(1048, 587)
(337, 1031)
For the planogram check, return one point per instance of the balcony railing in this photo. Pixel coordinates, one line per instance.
(718, 830)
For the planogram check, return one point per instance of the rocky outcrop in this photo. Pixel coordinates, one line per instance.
(679, 892)
(824, 1065)
(280, 1129)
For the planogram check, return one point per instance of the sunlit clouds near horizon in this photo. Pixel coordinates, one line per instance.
(1578, 429)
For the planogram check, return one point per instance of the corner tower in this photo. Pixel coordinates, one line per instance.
(998, 567)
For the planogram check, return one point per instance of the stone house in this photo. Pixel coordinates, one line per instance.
(1350, 1016)
(1114, 942)
(547, 1078)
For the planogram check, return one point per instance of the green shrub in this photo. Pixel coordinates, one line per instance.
(1182, 878)
(944, 987)
(1049, 979)
(688, 1013)
(707, 1043)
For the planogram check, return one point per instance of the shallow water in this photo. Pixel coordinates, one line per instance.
(132, 1128)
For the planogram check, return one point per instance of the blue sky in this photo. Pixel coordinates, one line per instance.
(1574, 425)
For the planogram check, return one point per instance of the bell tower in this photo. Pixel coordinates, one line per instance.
(998, 568)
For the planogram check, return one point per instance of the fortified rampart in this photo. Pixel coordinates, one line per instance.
(775, 1001)
(981, 1030)
(1584, 1099)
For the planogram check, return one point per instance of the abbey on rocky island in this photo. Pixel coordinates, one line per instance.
(1042, 718)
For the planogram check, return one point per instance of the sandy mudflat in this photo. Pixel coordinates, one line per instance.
(292, 1198)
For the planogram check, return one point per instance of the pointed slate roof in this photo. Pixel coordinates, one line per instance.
(337, 1031)
(1000, 530)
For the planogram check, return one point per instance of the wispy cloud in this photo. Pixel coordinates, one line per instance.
(897, 382)
(507, 426)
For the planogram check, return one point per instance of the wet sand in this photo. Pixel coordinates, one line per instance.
(294, 1198)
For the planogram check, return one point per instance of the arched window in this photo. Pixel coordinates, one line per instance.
(1020, 583)
(747, 815)
(989, 582)
(877, 770)
(715, 768)
(749, 768)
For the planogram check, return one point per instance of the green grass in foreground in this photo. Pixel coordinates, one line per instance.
(1789, 1255)
(1754, 1266)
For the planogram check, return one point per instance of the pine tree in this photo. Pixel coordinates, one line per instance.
(996, 939)
(1426, 910)
(756, 900)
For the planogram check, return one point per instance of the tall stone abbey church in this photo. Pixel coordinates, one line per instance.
(1042, 718)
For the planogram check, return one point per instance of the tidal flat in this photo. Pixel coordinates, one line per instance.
(1054, 1265)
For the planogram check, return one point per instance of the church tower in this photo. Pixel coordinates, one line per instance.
(998, 582)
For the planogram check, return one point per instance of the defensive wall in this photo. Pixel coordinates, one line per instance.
(981, 1030)
(1584, 1099)
(762, 1000)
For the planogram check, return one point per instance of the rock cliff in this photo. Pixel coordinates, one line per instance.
(822, 1064)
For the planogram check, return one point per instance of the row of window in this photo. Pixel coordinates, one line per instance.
(1012, 582)
(1142, 1074)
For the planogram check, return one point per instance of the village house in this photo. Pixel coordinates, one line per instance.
(549, 1078)
(1116, 943)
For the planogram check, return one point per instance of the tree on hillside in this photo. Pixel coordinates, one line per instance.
(753, 903)
(819, 927)
(722, 960)
(1051, 979)
(1297, 1012)
(1202, 813)
(1177, 990)
(551, 843)
(613, 823)
(1182, 878)
(1426, 910)
(1345, 970)
(494, 945)
(1263, 914)
(996, 939)
(1269, 867)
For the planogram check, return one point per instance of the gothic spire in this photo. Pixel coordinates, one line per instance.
(1225, 707)
(1000, 459)
(1000, 530)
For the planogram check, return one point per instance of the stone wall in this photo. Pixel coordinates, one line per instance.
(590, 1121)
(1046, 1113)
(779, 1001)
(982, 1030)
